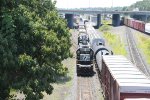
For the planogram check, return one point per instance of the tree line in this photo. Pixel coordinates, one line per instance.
(139, 5)
(33, 42)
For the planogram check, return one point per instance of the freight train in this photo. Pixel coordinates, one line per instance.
(97, 44)
(84, 53)
(90, 45)
(119, 78)
(136, 24)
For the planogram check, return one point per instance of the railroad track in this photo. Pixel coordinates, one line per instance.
(135, 55)
(84, 84)
(84, 88)
(89, 87)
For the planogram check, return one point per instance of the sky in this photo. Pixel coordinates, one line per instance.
(93, 3)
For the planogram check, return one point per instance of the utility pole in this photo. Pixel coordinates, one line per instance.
(89, 3)
(112, 4)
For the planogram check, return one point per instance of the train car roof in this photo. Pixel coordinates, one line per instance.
(127, 75)
(128, 72)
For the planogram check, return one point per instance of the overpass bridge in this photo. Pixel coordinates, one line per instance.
(71, 11)
(115, 15)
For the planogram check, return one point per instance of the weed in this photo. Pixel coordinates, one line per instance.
(144, 45)
(114, 42)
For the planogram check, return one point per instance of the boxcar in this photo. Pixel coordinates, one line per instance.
(122, 80)
(147, 27)
(132, 23)
(125, 21)
(141, 26)
(129, 21)
(136, 24)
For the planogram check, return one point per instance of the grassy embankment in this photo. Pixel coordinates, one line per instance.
(63, 85)
(144, 45)
(113, 40)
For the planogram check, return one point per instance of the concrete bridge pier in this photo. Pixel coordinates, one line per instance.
(69, 18)
(116, 20)
(98, 21)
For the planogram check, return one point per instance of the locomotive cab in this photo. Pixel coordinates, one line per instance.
(84, 58)
(83, 38)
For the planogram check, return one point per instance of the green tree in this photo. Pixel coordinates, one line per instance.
(33, 42)
(141, 5)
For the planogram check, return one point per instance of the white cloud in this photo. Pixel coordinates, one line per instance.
(93, 3)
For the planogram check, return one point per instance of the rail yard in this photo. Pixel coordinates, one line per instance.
(136, 70)
(107, 76)
(75, 50)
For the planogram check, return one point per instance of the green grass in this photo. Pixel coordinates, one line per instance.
(115, 43)
(113, 40)
(106, 22)
(105, 28)
(144, 45)
(63, 85)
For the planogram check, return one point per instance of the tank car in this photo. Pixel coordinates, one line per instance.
(94, 37)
